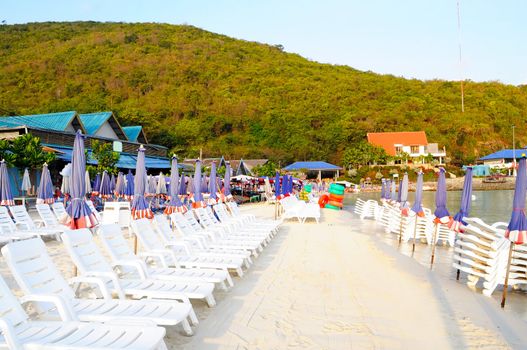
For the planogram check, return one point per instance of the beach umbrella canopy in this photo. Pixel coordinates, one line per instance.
(104, 190)
(120, 185)
(66, 178)
(394, 195)
(80, 215)
(152, 186)
(466, 197)
(387, 194)
(87, 181)
(129, 188)
(140, 207)
(417, 207)
(112, 183)
(174, 203)
(277, 185)
(204, 184)
(399, 193)
(517, 230)
(161, 185)
(198, 197)
(227, 181)
(26, 182)
(441, 212)
(96, 184)
(183, 186)
(45, 189)
(383, 188)
(6, 197)
(212, 184)
(403, 192)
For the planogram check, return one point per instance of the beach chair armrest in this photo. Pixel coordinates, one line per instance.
(137, 264)
(158, 256)
(95, 282)
(183, 245)
(63, 308)
(9, 335)
(112, 277)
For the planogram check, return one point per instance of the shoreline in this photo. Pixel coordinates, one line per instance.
(456, 184)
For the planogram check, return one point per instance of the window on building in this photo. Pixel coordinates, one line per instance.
(414, 149)
(398, 149)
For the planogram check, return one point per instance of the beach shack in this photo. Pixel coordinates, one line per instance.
(314, 169)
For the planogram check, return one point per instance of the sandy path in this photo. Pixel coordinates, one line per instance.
(336, 285)
(330, 286)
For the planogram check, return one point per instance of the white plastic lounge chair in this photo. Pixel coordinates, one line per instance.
(209, 222)
(60, 211)
(180, 254)
(210, 239)
(224, 232)
(236, 213)
(20, 231)
(48, 218)
(119, 250)
(35, 273)
(93, 210)
(19, 332)
(164, 230)
(90, 262)
(237, 225)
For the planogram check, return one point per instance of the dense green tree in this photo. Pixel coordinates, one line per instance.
(268, 169)
(364, 153)
(26, 152)
(106, 158)
(192, 89)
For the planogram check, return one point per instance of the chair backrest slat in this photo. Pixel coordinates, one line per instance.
(84, 252)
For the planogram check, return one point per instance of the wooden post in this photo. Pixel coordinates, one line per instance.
(276, 208)
(506, 285)
(434, 238)
(415, 234)
(135, 243)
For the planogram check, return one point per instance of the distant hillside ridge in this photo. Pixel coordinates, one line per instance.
(194, 89)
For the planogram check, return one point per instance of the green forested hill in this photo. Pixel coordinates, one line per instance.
(191, 88)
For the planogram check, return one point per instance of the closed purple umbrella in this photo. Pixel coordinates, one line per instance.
(174, 203)
(152, 186)
(6, 197)
(517, 229)
(393, 196)
(104, 191)
(204, 184)
(96, 184)
(183, 186)
(120, 185)
(442, 216)
(140, 207)
(466, 197)
(403, 193)
(417, 208)
(45, 188)
(112, 183)
(198, 197)
(399, 193)
(213, 198)
(383, 189)
(227, 182)
(129, 188)
(387, 186)
(277, 193)
(80, 215)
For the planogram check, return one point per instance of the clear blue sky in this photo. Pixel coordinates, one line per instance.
(410, 38)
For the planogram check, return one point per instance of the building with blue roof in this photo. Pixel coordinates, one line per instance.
(57, 131)
(503, 159)
(135, 133)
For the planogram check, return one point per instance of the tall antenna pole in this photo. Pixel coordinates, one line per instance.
(460, 61)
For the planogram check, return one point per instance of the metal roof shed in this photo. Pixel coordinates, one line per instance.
(314, 166)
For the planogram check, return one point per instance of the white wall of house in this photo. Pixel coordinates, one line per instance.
(70, 128)
(106, 130)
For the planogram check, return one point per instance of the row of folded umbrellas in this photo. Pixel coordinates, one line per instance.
(76, 183)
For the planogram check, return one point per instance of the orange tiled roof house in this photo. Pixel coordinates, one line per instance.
(413, 146)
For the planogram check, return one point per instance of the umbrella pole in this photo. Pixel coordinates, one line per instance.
(415, 234)
(434, 238)
(135, 243)
(506, 285)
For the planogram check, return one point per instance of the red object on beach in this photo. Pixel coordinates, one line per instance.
(323, 200)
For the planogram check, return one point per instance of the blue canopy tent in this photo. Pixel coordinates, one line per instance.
(316, 167)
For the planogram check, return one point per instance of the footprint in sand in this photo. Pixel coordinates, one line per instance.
(343, 327)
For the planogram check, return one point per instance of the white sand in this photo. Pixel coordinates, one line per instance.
(332, 286)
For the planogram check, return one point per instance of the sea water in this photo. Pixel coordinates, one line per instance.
(490, 206)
